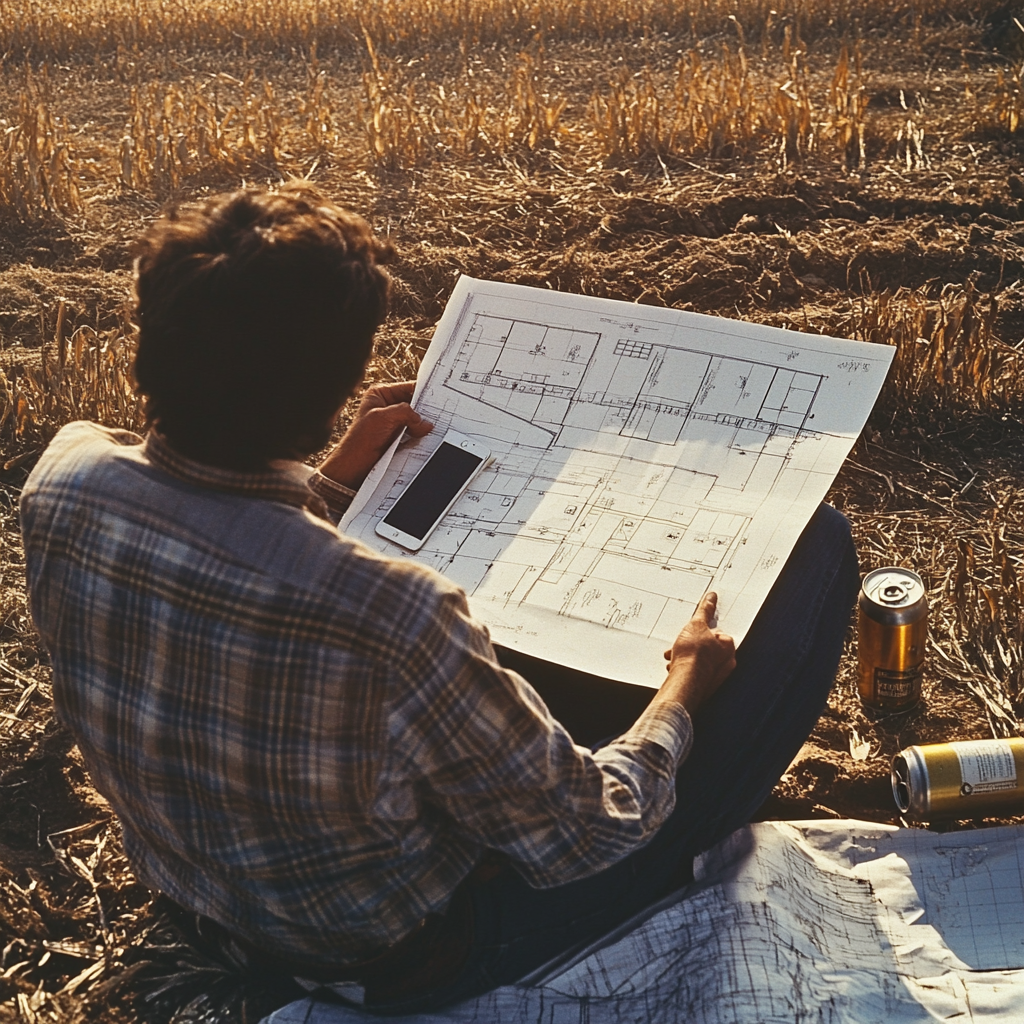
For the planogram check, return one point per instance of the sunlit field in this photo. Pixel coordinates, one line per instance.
(854, 168)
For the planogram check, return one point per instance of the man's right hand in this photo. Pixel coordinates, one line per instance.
(383, 414)
(700, 659)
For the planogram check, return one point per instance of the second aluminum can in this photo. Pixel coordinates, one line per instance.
(892, 629)
(965, 779)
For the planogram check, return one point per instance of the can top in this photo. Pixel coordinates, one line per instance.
(893, 587)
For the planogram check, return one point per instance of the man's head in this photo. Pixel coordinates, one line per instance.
(256, 314)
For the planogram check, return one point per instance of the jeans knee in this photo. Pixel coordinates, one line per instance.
(844, 533)
(830, 534)
(832, 522)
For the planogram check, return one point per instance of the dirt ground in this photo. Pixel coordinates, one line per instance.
(933, 484)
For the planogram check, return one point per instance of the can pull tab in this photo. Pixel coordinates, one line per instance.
(901, 783)
(893, 593)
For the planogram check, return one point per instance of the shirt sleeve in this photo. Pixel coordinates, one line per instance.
(337, 497)
(509, 776)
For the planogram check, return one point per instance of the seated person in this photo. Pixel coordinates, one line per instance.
(316, 746)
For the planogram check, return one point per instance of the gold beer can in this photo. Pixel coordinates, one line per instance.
(966, 779)
(892, 628)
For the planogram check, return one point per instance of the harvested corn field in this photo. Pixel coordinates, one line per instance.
(853, 169)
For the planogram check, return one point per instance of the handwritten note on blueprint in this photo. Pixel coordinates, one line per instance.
(643, 456)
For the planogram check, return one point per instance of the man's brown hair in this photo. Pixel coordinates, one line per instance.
(256, 313)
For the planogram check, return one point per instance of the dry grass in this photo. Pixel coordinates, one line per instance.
(1008, 104)
(406, 129)
(948, 360)
(52, 31)
(751, 90)
(38, 170)
(724, 109)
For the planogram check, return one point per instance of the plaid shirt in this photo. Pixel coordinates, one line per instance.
(307, 742)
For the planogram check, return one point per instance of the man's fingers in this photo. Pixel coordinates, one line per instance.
(707, 606)
(393, 394)
(402, 415)
(421, 428)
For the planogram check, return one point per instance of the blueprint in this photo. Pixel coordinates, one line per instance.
(832, 922)
(643, 456)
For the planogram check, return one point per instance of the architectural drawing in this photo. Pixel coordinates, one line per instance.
(642, 457)
(836, 922)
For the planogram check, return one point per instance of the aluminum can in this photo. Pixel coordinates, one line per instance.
(892, 628)
(966, 779)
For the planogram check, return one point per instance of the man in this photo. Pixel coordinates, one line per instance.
(313, 745)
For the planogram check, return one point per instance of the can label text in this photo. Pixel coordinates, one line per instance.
(889, 683)
(986, 766)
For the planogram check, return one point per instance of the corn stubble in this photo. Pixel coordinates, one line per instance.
(748, 100)
(751, 97)
(405, 129)
(57, 31)
(725, 109)
(176, 133)
(38, 169)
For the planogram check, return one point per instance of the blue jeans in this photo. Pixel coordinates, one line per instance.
(745, 736)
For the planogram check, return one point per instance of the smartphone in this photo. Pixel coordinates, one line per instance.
(432, 492)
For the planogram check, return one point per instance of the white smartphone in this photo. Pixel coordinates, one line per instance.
(433, 490)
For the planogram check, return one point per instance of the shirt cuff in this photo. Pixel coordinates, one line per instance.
(337, 496)
(667, 725)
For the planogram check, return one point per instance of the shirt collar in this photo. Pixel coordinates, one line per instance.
(286, 482)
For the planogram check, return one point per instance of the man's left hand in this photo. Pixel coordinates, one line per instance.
(383, 414)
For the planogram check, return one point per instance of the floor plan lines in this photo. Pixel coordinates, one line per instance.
(641, 458)
(530, 370)
(562, 378)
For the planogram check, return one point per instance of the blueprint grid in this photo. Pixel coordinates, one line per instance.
(831, 922)
(642, 457)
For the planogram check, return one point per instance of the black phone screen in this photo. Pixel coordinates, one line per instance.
(429, 494)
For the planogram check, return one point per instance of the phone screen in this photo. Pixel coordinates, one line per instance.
(432, 490)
